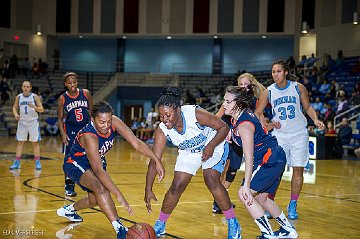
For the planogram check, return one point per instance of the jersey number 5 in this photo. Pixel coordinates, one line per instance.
(283, 112)
(78, 115)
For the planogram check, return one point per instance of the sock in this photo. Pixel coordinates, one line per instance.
(272, 196)
(283, 221)
(163, 216)
(37, 157)
(17, 157)
(229, 213)
(294, 196)
(264, 225)
(117, 225)
(70, 207)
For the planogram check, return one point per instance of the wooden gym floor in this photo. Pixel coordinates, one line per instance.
(328, 206)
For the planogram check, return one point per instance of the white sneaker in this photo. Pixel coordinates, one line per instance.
(286, 232)
(71, 215)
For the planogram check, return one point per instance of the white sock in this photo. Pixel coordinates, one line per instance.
(264, 225)
(283, 221)
(70, 207)
(116, 224)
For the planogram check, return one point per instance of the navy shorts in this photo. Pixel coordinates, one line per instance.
(266, 178)
(71, 132)
(74, 170)
(235, 159)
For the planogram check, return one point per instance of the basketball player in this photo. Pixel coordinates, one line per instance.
(73, 114)
(26, 107)
(264, 163)
(288, 100)
(200, 138)
(86, 165)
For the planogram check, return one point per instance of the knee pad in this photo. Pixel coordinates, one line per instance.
(230, 174)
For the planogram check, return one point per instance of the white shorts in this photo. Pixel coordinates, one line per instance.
(296, 147)
(188, 162)
(30, 128)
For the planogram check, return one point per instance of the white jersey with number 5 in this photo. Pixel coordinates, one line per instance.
(27, 113)
(287, 108)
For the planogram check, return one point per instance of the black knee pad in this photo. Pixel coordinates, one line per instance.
(230, 174)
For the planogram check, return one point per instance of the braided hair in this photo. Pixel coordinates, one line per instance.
(171, 97)
(285, 67)
(243, 96)
(101, 107)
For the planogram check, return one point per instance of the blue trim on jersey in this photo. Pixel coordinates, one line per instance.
(298, 91)
(287, 86)
(184, 125)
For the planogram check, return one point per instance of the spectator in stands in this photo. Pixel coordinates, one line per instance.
(189, 98)
(355, 98)
(13, 66)
(135, 125)
(2, 61)
(6, 69)
(330, 127)
(342, 103)
(329, 113)
(200, 96)
(216, 98)
(151, 117)
(339, 60)
(345, 132)
(324, 87)
(35, 71)
(318, 105)
(311, 60)
(43, 67)
(25, 67)
(5, 90)
(328, 64)
(307, 84)
(291, 63)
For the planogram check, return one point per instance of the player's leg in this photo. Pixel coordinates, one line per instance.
(69, 184)
(21, 137)
(34, 138)
(180, 182)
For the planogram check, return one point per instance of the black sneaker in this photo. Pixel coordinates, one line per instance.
(216, 209)
(70, 190)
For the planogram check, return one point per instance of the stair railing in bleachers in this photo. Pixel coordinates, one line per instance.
(349, 111)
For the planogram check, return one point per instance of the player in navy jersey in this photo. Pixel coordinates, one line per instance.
(86, 165)
(264, 162)
(73, 114)
(200, 138)
(288, 100)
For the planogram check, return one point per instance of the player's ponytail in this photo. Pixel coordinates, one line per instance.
(243, 96)
(170, 96)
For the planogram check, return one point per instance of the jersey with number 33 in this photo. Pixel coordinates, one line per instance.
(286, 107)
(76, 108)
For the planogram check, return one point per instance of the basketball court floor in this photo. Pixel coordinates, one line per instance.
(329, 205)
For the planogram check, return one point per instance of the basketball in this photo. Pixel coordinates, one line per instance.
(141, 231)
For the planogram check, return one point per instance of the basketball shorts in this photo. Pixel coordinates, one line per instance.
(266, 178)
(28, 128)
(296, 147)
(71, 132)
(188, 162)
(75, 169)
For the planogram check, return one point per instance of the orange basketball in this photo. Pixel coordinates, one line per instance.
(141, 231)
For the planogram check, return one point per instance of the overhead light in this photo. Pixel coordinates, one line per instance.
(304, 27)
(216, 37)
(38, 30)
(263, 36)
(123, 37)
(355, 18)
(168, 37)
(81, 36)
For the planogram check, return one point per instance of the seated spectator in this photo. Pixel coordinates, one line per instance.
(311, 60)
(341, 104)
(52, 126)
(324, 87)
(135, 125)
(35, 71)
(189, 98)
(307, 83)
(318, 105)
(291, 63)
(4, 90)
(151, 116)
(355, 98)
(329, 113)
(339, 59)
(330, 127)
(345, 132)
(43, 67)
(25, 67)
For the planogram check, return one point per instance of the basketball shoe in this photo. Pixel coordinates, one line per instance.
(37, 165)
(234, 229)
(71, 215)
(159, 228)
(121, 234)
(266, 236)
(15, 165)
(286, 232)
(70, 190)
(215, 208)
(292, 214)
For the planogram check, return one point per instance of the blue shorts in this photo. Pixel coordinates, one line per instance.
(266, 178)
(235, 159)
(75, 169)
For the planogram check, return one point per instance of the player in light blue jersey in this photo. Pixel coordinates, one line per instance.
(26, 107)
(200, 138)
(289, 99)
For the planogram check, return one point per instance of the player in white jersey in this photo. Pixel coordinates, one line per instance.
(26, 107)
(288, 100)
(200, 138)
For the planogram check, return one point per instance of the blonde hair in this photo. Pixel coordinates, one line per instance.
(259, 88)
